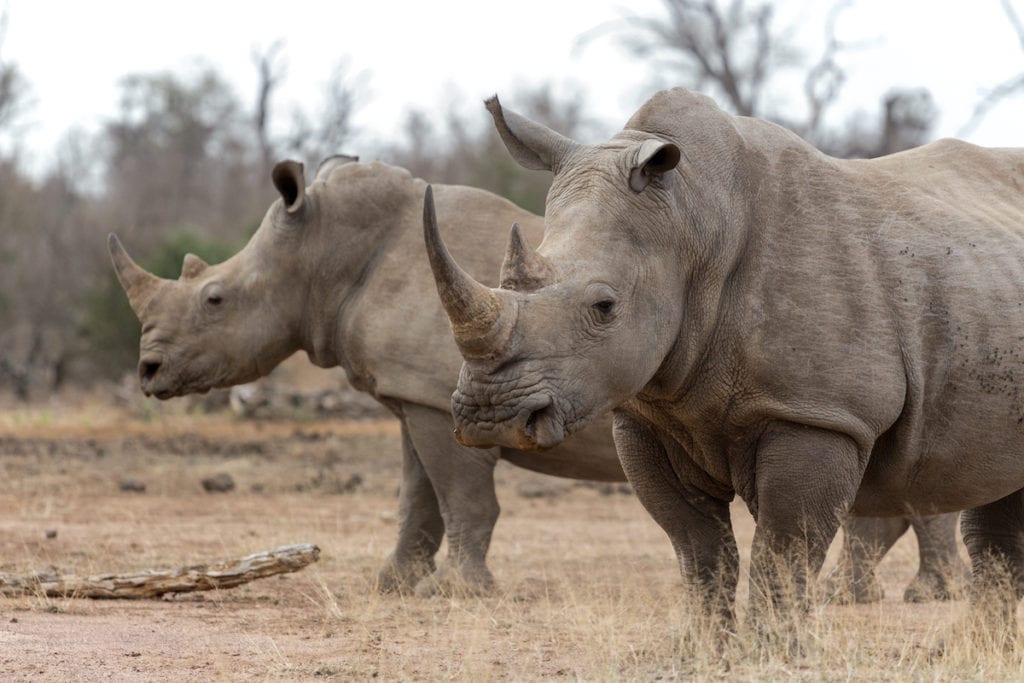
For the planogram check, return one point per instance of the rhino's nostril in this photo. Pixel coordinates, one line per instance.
(147, 370)
(530, 428)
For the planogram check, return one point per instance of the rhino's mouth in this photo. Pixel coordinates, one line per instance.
(159, 381)
(535, 424)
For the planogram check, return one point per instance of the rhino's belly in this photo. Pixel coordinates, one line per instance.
(952, 461)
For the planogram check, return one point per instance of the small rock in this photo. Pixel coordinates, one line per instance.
(51, 533)
(132, 485)
(222, 482)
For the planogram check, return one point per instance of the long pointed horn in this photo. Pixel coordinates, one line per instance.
(523, 268)
(138, 284)
(475, 311)
(531, 144)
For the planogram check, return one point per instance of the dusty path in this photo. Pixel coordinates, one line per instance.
(588, 584)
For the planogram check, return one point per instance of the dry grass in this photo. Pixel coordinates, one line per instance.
(588, 587)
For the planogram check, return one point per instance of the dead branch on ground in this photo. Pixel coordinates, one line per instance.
(153, 583)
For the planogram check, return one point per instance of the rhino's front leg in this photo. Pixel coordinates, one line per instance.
(698, 525)
(807, 479)
(463, 480)
(420, 525)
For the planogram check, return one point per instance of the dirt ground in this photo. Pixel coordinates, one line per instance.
(588, 585)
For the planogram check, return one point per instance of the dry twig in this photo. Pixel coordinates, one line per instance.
(153, 583)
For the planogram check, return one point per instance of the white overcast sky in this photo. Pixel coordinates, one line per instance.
(426, 53)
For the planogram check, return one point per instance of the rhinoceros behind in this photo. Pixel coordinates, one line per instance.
(337, 270)
(812, 334)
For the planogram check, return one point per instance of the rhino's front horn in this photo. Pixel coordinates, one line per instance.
(138, 283)
(523, 269)
(480, 316)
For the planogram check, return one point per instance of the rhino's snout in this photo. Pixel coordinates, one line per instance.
(536, 426)
(148, 368)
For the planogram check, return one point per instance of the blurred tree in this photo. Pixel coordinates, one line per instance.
(733, 51)
(469, 152)
(311, 140)
(180, 153)
(14, 89)
(1009, 87)
(270, 72)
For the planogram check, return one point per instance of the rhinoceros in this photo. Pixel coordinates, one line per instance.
(337, 270)
(817, 336)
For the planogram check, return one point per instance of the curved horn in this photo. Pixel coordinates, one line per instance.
(523, 268)
(138, 284)
(474, 310)
(531, 144)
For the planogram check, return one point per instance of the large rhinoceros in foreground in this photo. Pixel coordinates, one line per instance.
(338, 270)
(814, 335)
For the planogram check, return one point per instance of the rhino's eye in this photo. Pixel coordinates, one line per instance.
(604, 307)
(214, 299)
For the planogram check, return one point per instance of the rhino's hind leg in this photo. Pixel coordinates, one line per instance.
(994, 536)
(865, 541)
(463, 480)
(942, 573)
(420, 526)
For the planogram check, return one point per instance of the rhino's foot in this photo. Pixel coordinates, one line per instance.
(842, 589)
(949, 585)
(460, 582)
(403, 577)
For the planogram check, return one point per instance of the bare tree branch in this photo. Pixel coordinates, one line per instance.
(270, 74)
(1003, 90)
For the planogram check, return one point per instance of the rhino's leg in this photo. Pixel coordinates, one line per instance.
(865, 541)
(463, 480)
(420, 525)
(698, 524)
(994, 536)
(942, 573)
(807, 479)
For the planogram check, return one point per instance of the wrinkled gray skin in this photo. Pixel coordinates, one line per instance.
(817, 336)
(338, 271)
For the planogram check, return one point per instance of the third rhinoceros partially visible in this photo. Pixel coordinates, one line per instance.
(337, 270)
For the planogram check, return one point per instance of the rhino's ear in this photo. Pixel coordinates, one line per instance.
(653, 159)
(331, 163)
(192, 266)
(531, 144)
(290, 182)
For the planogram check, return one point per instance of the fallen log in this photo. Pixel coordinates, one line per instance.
(153, 583)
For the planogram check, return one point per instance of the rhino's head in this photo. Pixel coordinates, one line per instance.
(576, 327)
(229, 323)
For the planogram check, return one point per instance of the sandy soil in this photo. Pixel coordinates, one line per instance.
(588, 584)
